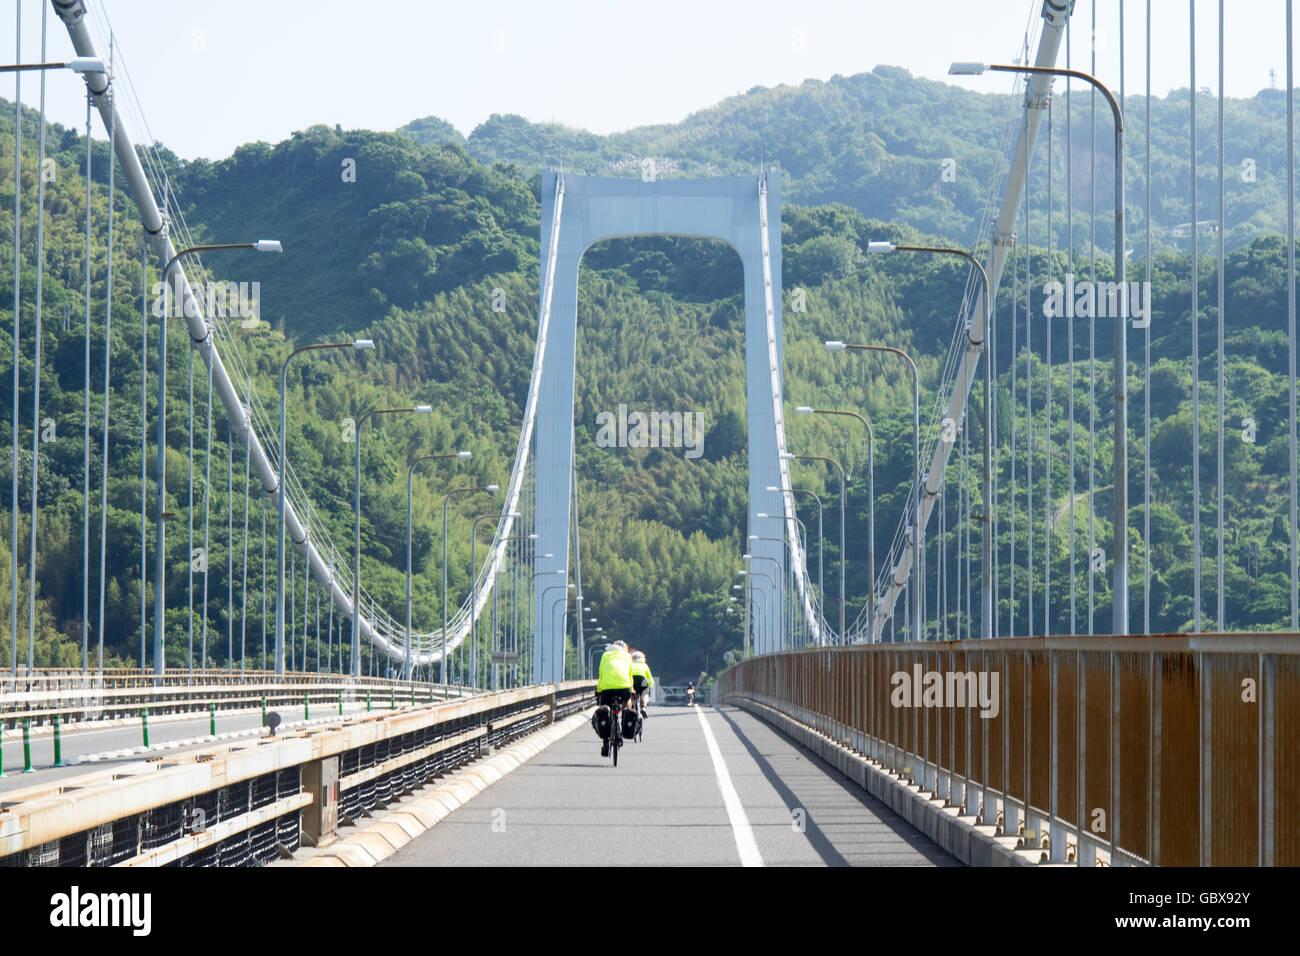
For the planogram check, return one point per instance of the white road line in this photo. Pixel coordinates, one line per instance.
(745, 844)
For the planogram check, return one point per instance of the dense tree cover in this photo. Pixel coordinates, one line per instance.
(435, 255)
(906, 149)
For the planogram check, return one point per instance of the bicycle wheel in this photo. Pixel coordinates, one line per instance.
(616, 738)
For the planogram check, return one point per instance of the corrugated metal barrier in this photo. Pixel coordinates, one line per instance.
(1171, 750)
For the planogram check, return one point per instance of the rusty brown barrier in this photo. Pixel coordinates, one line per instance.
(1171, 750)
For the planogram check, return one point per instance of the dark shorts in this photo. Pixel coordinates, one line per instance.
(638, 683)
(607, 697)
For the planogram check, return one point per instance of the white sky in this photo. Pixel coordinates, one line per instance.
(212, 74)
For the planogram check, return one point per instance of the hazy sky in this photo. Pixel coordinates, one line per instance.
(212, 74)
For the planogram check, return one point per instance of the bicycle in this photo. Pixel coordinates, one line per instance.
(616, 729)
(635, 706)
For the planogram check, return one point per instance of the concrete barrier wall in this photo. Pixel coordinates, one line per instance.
(352, 753)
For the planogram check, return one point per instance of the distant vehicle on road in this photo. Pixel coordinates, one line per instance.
(671, 694)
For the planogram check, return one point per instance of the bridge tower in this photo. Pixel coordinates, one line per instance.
(578, 211)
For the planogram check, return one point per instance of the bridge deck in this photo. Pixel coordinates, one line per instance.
(663, 805)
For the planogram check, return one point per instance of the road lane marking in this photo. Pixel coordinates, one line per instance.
(740, 828)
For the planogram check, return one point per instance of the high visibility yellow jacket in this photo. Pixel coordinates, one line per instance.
(642, 669)
(615, 670)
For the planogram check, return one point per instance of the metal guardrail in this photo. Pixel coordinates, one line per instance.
(247, 803)
(90, 696)
(1170, 750)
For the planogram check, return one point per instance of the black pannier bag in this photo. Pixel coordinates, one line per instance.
(601, 723)
(630, 720)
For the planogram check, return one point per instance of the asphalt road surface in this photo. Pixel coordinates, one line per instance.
(669, 803)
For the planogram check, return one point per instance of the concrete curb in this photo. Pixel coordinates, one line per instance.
(411, 818)
(971, 843)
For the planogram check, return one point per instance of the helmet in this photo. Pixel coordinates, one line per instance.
(638, 655)
(622, 644)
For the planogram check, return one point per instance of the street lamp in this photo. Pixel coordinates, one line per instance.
(985, 340)
(358, 345)
(532, 581)
(473, 570)
(410, 472)
(871, 507)
(356, 549)
(78, 65)
(793, 590)
(442, 640)
(549, 609)
(790, 456)
(750, 590)
(780, 595)
(821, 539)
(917, 539)
(1119, 621)
(160, 522)
(770, 621)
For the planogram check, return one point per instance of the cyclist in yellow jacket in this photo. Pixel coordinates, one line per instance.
(642, 679)
(614, 682)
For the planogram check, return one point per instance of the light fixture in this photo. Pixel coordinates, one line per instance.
(423, 409)
(364, 344)
(834, 345)
(268, 245)
(880, 246)
(966, 68)
(87, 64)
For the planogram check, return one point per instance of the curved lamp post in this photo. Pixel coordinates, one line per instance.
(442, 641)
(1119, 621)
(410, 471)
(790, 456)
(871, 509)
(918, 540)
(356, 544)
(986, 573)
(357, 345)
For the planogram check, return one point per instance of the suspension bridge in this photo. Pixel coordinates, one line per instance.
(947, 726)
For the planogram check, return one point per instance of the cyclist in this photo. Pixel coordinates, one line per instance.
(642, 679)
(615, 680)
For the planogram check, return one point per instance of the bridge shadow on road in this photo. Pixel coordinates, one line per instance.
(822, 802)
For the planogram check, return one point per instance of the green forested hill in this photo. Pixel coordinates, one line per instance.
(420, 246)
(878, 141)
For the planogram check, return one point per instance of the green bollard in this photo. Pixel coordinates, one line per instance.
(341, 702)
(306, 710)
(144, 723)
(27, 746)
(392, 697)
(58, 743)
(212, 719)
(412, 695)
(431, 695)
(263, 710)
(367, 701)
